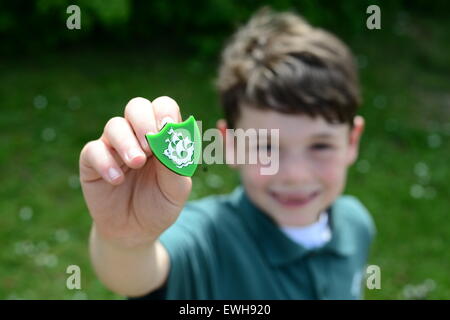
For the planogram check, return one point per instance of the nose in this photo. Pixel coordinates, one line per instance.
(295, 169)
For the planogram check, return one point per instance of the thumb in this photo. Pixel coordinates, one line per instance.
(174, 187)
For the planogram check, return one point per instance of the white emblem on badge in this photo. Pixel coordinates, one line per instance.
(180, 149)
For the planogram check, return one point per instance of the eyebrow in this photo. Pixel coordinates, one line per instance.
(320, 135)
(323, 135)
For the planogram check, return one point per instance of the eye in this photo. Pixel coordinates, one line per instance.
(321, 146)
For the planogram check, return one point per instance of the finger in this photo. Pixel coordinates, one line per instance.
(120, 136)
(139, 113)
(166, 110)
(171, 184)
(97, 161)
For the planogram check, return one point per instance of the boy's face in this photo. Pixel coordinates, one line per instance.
(313, 159)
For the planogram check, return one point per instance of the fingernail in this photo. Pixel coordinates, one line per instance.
(164, 121)
(113, 174)
(133, 153)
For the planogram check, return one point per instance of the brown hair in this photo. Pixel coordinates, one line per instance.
(278, 61)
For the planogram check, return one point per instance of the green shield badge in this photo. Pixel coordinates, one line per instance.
(178, 146)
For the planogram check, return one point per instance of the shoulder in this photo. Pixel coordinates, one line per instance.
(201, 217)
(351, 212)
(192, 245)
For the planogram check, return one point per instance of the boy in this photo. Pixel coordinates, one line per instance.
(289, 235)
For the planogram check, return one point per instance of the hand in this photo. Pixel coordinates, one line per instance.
(131, 196)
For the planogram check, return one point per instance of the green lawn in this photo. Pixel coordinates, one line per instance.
(51, 106)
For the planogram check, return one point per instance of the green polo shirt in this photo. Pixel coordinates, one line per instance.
(224, 247)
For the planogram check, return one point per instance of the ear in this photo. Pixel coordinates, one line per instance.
(228, 144)
(221, 124)
(354, 138)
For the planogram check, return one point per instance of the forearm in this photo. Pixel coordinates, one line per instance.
(129, 271)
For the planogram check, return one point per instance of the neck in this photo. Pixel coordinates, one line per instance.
(297, 221)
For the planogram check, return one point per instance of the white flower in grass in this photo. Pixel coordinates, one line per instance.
(24, 248)
(26, 213)
(420, 291)
(434, 141)
(73, 181)
(363, 166)
(40, 102)
(417, 191)
(62, 235)
(48, 134)
(421, 169)
(214, 181)
(46, 260)
(79, 295)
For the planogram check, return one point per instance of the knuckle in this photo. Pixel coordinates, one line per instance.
(167, 101)
(87, 147)
(138, 100)
(133, 103)
(113, 122)
(87, 150)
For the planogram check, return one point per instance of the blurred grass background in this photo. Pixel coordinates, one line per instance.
(59, 87)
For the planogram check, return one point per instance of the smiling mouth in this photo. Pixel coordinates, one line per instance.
(294, 200)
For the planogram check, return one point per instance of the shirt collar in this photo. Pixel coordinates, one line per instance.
(276, 246)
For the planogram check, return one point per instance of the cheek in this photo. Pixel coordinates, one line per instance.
(333, 173)
(252, 177)
(334, 177)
